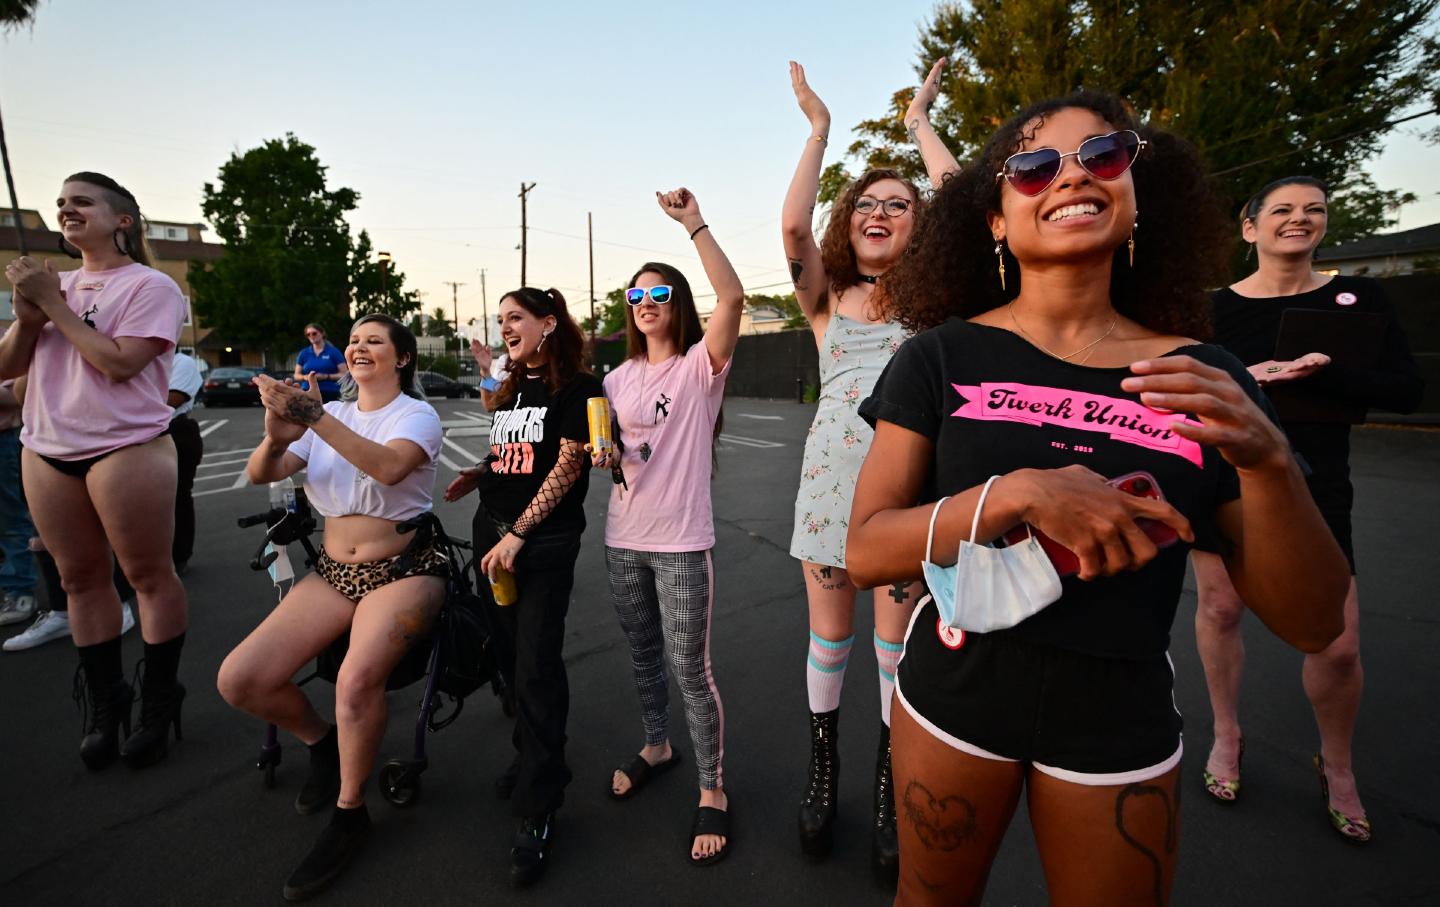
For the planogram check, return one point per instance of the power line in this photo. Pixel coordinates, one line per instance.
(1338, 138)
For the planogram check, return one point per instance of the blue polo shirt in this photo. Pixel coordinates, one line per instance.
(325, 362)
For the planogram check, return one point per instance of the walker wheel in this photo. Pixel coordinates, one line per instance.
(269, 776)
(400, 783)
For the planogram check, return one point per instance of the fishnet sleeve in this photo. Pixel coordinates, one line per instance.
(569, 466)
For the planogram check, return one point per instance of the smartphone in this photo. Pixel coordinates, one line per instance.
(1140, 484)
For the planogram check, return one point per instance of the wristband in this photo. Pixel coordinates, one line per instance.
(698, 229)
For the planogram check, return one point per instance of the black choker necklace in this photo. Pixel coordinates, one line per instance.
(868, 278)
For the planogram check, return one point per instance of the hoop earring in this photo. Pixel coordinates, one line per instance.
(68, 249)
(115, 238)
(1000, 262)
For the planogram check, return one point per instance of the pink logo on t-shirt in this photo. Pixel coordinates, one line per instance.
(1345, 299)
(1122, 420)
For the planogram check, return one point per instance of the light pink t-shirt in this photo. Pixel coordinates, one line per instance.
(672, 407)
(72, 411)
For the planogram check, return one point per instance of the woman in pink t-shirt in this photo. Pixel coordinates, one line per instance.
(666, 397)
(99, 467)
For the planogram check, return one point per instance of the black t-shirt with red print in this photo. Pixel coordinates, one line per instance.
(525, 438)
(992, 403)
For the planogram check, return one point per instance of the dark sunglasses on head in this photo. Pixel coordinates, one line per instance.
(1105, 157)
(658, 295)
(893, 207)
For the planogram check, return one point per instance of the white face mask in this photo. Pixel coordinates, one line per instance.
(989, 588)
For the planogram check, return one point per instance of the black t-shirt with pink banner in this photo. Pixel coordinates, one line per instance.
(992, 403)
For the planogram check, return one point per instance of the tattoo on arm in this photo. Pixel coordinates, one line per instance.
(796, 269)
(305, 410)
(941, 823)
(1170, 802)
(914, 129)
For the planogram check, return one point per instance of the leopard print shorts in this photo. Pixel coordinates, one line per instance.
(355, 581)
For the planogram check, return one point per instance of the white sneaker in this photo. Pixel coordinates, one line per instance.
(15, 609)
(49, 625)
(127, 618)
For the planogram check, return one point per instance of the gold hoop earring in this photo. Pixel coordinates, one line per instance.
(1000, 262)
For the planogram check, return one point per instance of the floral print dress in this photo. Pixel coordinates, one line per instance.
(852, 356)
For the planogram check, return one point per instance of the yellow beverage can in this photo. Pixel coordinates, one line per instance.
(503, 587)
(602, 440)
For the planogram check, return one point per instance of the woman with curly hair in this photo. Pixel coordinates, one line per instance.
(870, 225)
(1316, 399)
(529, 522)
(1056, 398)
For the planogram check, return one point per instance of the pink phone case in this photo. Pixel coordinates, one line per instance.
(1140, 484)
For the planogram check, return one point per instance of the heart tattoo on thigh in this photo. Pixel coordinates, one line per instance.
(942, 823)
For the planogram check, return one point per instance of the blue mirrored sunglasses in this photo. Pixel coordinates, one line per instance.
(658, 295)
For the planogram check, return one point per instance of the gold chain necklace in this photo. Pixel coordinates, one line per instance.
(1067, 357)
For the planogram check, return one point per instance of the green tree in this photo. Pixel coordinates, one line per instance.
(787, 305)
(439, 325)
(15, 13)
(1265, 88)
(377, 285)
(289, 256)
(610, 314)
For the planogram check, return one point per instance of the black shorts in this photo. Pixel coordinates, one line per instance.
(1077, 717)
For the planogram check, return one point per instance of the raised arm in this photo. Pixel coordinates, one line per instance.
(797, 218)
(723, 331)
(939, 162)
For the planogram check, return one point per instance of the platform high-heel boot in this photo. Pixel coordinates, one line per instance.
(885, 843)
(159, 709)
(105, 706)
(817, 811)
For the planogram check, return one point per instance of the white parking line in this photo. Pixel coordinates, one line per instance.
(750, 442)
(209, 427)
(467, 453)
(208, 462)
(766, 418)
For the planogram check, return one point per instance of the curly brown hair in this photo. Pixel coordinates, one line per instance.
(836, 253)
(949, 266)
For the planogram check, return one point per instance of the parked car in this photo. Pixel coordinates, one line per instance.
(437, 385)
(230, 385)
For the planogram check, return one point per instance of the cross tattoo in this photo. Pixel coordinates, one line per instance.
(897, 592)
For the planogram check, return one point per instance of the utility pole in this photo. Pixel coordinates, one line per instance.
(524, 192)
(455, 307)
(14, 202)
(590, 234)
(484, 310)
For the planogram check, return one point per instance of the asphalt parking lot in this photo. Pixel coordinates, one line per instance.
(201, 829)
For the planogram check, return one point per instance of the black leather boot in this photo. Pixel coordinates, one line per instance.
(159, 709)
(817, 810)
(105, 709)
(884, 843)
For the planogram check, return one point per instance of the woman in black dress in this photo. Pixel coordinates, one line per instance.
(1316, 399)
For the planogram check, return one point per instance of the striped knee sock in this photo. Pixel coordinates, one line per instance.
(887, 656)
(825, 672)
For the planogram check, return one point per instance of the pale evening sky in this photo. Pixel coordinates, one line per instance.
(435, 113)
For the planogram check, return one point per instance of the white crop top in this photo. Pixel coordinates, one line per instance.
(336, 488)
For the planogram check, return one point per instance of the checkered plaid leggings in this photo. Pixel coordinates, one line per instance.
(664, 600)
